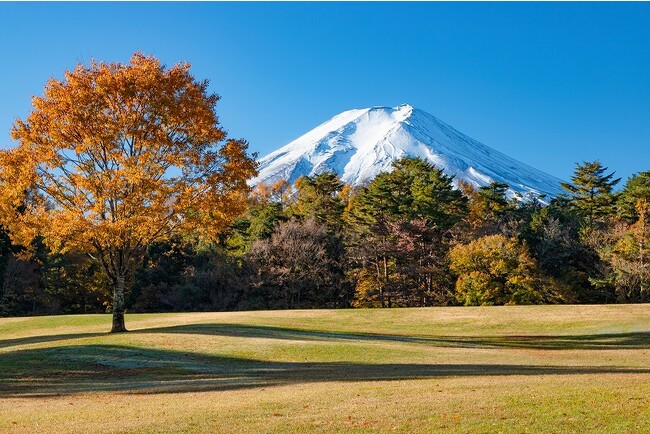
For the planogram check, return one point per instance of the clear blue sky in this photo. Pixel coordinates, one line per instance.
(547, 83)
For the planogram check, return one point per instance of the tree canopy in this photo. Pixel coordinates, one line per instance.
(125, 193)
(117, 156)
(497, 270)
(591, 190)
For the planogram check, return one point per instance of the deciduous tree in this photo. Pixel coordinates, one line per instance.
(629, 257)
(116, 156)
(298, 266)
(636, 188)
(497, 270)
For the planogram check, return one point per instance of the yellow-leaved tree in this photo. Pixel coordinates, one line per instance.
(116, 156)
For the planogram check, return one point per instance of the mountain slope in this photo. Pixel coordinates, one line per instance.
(359, 144)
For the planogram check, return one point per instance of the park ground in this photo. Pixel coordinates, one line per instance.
(448, 369)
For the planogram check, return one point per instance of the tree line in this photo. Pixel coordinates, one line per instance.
(125, 194)
(408, 238)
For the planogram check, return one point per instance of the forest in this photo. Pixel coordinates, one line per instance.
(408, 238)
(124, 194)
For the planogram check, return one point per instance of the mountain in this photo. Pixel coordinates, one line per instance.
(359, 144)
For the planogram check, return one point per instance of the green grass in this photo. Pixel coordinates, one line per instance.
(490, 369)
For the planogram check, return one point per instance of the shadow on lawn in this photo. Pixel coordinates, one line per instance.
(90, 368)
(610, 341)
(5, 343)
(618, 341)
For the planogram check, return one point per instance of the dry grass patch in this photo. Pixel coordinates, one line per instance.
(510, 369)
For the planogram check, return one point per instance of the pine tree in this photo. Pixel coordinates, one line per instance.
(402, 222)
(636, 188)
(591, 191)
(494, 198)
(319, 198)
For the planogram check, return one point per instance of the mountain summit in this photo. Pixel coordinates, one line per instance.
(359, 144)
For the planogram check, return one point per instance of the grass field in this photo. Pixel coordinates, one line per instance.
(487, 369)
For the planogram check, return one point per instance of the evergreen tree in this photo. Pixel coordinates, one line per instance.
(413, 190)
(264, 218)
(319, 197)
(494, 198)
(591, 191)
(553, 235)
(636, 188)
(402, 221)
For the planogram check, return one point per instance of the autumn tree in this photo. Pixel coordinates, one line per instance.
(628, 255)
(636, 188)
(492, 212)
(116, 156)
(498, 270)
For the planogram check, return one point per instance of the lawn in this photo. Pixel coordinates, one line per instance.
(456, 369)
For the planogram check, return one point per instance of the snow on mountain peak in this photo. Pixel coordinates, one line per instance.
(358, 144)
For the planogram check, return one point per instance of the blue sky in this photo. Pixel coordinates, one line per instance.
(550, 84)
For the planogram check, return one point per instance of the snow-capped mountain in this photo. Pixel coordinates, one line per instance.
(359, 144)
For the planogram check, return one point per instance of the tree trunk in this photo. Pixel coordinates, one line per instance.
(118, 305)
(642, 235)
(385, 260)
(381, 284)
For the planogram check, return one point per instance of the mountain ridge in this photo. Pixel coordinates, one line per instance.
(358, 144)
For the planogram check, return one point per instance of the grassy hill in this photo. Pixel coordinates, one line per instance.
(487, 369)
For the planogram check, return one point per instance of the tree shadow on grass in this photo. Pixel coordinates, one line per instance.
(6, 343)
(611, 341)
(92, 368)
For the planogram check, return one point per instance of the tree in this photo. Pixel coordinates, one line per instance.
(403, 220)
(497, 270)
(494, 200)
(298, 266)
(117, 156)
(267, 206)
(629, 257)
(490, 210)
(319, 197)
(21, 292)
(185, 275)
(414, 189)
(5, 254)
(636, 188)
(591, 191)
(553, 236)
(74, 283)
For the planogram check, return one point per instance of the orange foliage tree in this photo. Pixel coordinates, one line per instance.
(117, 156)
